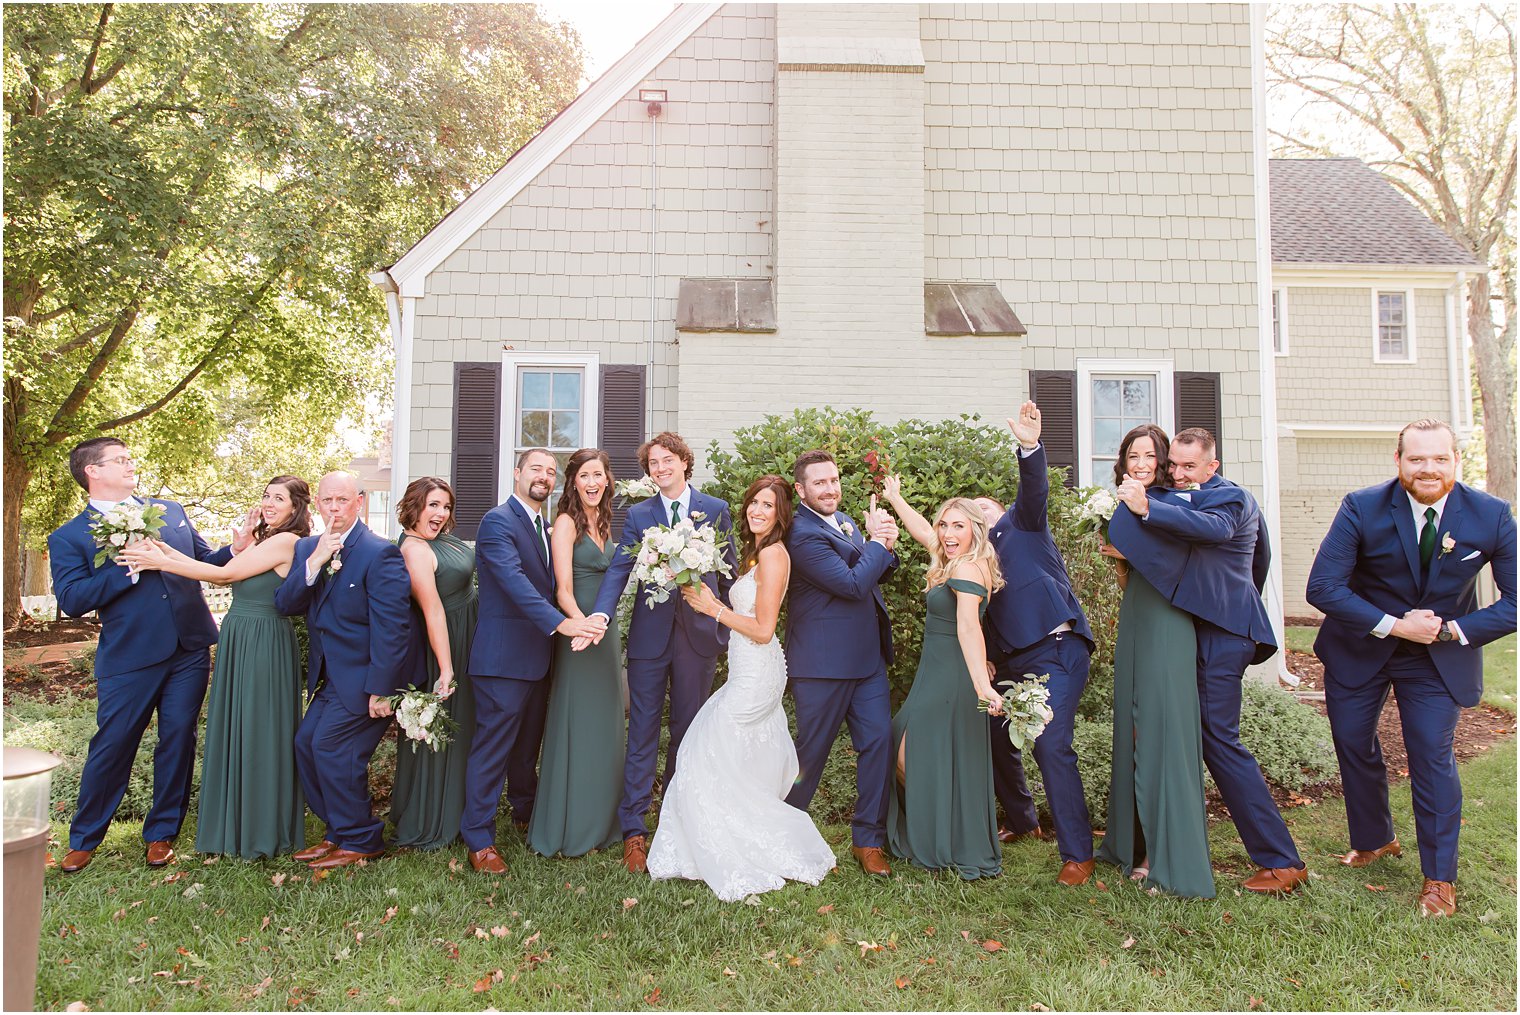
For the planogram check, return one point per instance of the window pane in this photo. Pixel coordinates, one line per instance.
(567, 391)
(1103, 471)
(1390, 308)
(1137, 400)
(567, 429)
(1105, 397)
(1276, 322)
(534, 432)
(535, 389)
(1106, 435)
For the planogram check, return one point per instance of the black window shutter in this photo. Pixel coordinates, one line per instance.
(477, 443)
(622, 424)
(1055, 392)
(1198, 405)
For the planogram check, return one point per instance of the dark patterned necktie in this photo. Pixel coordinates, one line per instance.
(1428, 538)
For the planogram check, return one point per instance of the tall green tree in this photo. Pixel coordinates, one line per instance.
(1425, 93)
(195, 193)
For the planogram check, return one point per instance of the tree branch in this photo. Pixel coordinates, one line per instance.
(100, 35)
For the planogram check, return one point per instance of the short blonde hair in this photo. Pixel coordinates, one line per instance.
(981, 548)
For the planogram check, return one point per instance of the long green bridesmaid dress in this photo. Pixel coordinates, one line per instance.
(946, 815)
(428, 797)
(1155, 800)
(251, 803)
(580, 778)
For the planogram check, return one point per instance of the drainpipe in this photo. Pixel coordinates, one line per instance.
(654, 232)
(1464, 374)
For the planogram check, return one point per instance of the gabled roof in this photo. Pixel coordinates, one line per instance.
(410, 273)
(1339, 211)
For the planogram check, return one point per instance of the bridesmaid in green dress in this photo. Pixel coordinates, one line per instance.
(941, 811)
(428, 797)
(580, 777)
(251, 803)
(1157, 826)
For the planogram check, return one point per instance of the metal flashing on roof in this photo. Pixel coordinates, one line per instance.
(968, 308)
(726, 304)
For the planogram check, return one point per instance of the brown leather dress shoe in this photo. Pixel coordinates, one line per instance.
(1362, 857)
(1074, 873)
(488, 861)
(636, 854)
(160, 853)
(1276, 880)
(872, 860)
(1438, 898)
(1009, 835)
(76, 860)
(316, 852)
(342, 858)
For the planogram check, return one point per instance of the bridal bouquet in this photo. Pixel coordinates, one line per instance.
(123, 525)
(423, 719)
(1095, 506)
(635, 489)
(673, 555)
(1027, 709)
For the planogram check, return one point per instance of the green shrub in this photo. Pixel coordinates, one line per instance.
(82, 662)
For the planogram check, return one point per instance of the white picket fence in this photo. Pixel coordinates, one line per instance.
(218, 597)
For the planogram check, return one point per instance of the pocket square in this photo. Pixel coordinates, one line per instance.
(1470, 556)
(350, 584)
(1185, 496)
(182, 523)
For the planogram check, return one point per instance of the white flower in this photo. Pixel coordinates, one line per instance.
(849, 529)
(1448, 544)
(118, 539)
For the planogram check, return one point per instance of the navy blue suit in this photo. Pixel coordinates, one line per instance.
(671, 649)
(838, 648)
(152, 656)
(1369, 566)
(1200, 550)
(1036, 600)
(358, 621)
(509, 668)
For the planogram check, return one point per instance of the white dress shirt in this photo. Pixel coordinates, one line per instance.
(684, 500)
(533, 513)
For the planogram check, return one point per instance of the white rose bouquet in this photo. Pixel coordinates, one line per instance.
(423, 719)
(1027, 709)
(670, 556)
(123, 525)
(1095, 506)
(632, 490)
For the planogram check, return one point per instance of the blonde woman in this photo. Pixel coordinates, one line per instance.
(941, 811)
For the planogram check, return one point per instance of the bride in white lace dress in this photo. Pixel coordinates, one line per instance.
(725, 819)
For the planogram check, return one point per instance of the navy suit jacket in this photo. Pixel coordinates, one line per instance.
(1199, 549)
(649, 631)
(1369, 565)
(514, 635)
(358, 618)
(141, 624)
(836, 619)
(1037, 597)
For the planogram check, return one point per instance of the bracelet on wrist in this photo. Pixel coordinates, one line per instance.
(718, 617)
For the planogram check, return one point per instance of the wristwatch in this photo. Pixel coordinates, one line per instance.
(1445, 633)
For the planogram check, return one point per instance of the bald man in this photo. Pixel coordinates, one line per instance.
(353, 587)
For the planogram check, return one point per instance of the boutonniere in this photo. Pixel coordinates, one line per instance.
(1448, 544)
(848, 529)
(1190, 486)
(697, 516)
(335, 564)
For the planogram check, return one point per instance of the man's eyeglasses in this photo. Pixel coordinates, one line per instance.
(122, 460)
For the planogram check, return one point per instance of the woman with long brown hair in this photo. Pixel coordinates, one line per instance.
(428, 798)
(251, 803)
(725, 819)
(581, 772)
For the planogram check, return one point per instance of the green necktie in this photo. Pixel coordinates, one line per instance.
(1428, 538)
(543, 547)
(675, 511)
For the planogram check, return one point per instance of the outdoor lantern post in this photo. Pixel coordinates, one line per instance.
(28, 784)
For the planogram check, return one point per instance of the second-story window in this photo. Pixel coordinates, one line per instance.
(1393, 338)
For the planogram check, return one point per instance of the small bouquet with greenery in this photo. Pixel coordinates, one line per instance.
(127, 523)
(1095, 506)
(670, 556)
(632, 490)
(1026, 707)
(423, 719)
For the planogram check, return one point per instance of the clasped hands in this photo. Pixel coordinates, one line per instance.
(583, 631)
(1419, 626)
(1131, 493)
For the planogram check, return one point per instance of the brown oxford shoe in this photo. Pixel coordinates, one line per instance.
(487, 861)
(342, 858)
(1362, 857)
(636, 854)
(76, 860)
(872, 860)
(160, 853)
(316, 852)
(1074, 873)
(1276, 880)
(1009, 835)
(1438, 898)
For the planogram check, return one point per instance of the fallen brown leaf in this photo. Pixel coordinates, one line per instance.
(532, 938)
(729, 972)
(653, 997)
(901, 982)
(1129, 942)
(390, 913)
(629, 904)
(278, 879)
(992, 946)
(928, 932)
(1377, 888)
(868, 946)
(826, 909)
(1254, 1003)
(77, 1006)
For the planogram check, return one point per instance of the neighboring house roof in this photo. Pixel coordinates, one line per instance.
(411, 270)
(1340, 211)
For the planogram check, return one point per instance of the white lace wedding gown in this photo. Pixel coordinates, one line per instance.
(725, 819)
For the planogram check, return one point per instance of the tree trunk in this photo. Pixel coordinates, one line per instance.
(1496, 381)
(18, 476)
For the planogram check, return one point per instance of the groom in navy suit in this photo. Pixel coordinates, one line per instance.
(353, 587)
(1034, 624)
(669, 646)
(1203, 542)
(838, 648)
(154, 635)
(509, 659)
(1397, 580)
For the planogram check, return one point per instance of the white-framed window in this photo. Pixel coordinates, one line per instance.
(1280, 321)
(1113, 397)
(1393, 325)
(548, 400)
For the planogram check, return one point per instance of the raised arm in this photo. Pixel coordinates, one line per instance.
(821, 564)
(917, 525)
(1028, 511)
(294, 595)
(1214, 521)
(422, 571)
(270, 555)
(1497, 619)
(1328, 590)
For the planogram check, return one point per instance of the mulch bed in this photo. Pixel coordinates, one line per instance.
(51, 680)
(30, 633)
